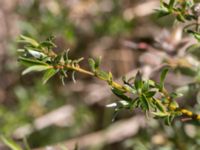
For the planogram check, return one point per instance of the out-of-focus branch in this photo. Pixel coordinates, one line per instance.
(141, 10)
(115, 133)
(56, 117)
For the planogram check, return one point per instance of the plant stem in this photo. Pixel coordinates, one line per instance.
(183, 111)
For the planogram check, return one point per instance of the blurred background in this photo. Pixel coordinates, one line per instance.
(128, 35)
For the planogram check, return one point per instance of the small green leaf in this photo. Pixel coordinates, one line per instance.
(160, 114)
(134, 103)
(35, 68)
(150, 94)
(159, 105)
(189, 71)
(151, 83)
(145, 103)
(162, 13)
(92, 64)
(145, 86)
(31, 62)
(120, 94)
(28, 40)
(194, 50)
(168, 119)
(98, 63)
(48, 44)
(195, 34)
(174, 105)
(48, 74)
(102, 74)
(57, 59)
(138, 81)
(171, 3)
(110, 78)
(174, 95)
(163, 76)
(180, 18)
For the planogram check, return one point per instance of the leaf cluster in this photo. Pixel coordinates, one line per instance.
(148, 96)
(184, 11)
(39, 56)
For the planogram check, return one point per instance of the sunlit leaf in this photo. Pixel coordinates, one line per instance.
(31, 62)
(35, 68)
(48, 74)
(28, 40)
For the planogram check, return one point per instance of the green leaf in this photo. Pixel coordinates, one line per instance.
(120, 94)
(144, 102)
(168, 119)
(189, 71)
(10, 143)
(194, 50)
(195, 34)
(48, 44)
(151, 83)
(28, 40)
(92, 64)
(160, 114)
(174, 95)
(102, 74)
(48, 74)
(150, 94)
(134, 103)
(35, 68)
(159, 105)
(174, 105)
(180, 18)
(31, 62)
(57, 59)
(110, 78)
(138, 81)
(145, 86)
(162, 13)
(163, 76)
(97, 63)
(171, 3)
